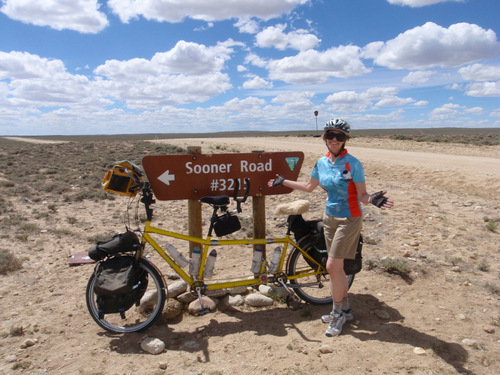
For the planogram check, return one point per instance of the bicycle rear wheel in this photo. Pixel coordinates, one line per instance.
(138, 317)
(314, 289)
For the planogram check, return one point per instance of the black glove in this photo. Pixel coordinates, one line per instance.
(278, 181)
(378, 199)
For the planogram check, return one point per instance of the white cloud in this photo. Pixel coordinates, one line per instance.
(431, 45)
(474, 111)
(293, 96)
(247, 25)
(78, 15)
(255, 60)
(257, 83)
(446, 111)
(316, 67)
(393, 101)
(187, 73)
(274, 36)
(296, 101)
(35, 82)
(420, 3)
(418, 77)
(484, 89)
(239, 105)
(375, 97)
(480, 72)
(421, 103)
(176, 11)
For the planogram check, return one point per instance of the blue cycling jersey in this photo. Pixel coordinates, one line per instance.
(339, 179)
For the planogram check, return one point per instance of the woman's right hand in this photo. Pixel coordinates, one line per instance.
(278, 181)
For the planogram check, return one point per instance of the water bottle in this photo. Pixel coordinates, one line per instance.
(275, 261)
(257, 259)
(178, 257)
(209, 265)
(195, 262)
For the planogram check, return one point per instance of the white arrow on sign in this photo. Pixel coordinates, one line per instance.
(166, 177)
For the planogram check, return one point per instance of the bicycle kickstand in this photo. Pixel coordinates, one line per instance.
(203, 310)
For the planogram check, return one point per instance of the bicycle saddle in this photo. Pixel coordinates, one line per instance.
(218, 200)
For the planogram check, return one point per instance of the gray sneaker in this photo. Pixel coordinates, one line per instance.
(335, 326)
(328, 317)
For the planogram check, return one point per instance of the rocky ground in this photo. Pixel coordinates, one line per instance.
(442, 316)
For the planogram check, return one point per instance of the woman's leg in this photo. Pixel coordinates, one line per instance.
(338, 279)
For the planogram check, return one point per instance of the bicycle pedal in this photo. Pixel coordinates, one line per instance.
(204, 311)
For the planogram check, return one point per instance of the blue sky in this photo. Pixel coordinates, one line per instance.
(169, 66)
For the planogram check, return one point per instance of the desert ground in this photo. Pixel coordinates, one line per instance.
(440, 315)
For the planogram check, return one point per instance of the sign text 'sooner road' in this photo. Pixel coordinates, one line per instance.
(190, 176)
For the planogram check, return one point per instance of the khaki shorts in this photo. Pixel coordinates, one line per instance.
(341, 235)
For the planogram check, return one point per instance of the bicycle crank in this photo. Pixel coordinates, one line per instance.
(292, 301)
(197, 288)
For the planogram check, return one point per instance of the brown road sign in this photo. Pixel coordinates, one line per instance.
(194, 176)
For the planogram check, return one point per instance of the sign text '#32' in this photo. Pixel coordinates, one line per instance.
(189, 176)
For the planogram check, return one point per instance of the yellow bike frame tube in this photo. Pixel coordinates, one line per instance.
(206, 243)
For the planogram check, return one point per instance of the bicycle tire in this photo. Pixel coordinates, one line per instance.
(315, 289)
(138, 318)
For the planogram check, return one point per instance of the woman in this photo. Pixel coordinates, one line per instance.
(342, 176)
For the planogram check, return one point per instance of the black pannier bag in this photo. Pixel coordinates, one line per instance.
(120, 283)
(352, 266)
(119, 243)
(315, 230)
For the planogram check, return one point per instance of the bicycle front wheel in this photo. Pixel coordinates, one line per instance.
(314, 289)
(141, 315)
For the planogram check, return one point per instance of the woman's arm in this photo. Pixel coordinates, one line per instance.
(308, 186)
(366, 198)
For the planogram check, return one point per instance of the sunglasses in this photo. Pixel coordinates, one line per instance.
(341, 137)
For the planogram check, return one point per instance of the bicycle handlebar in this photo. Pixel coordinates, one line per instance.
(239, 201)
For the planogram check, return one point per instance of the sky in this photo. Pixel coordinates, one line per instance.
(74, 67)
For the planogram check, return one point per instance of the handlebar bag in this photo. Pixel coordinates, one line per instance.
(120, 179)
(226, 224)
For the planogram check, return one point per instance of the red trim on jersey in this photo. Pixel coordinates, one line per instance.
(352, 200)
(344, 151)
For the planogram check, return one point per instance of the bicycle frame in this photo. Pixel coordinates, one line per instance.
(208, 242)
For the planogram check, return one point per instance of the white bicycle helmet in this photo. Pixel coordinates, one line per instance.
(338, 124)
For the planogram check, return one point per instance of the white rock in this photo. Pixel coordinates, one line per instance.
(258, 300)
(163, 365)
(152, 345)
(208, 302)
(186, 297)
(176, 288)
(28, 342)
(469, 342)
(238, 290)
(217, 293)
(148, 300)
(236, 300)
(418, 351)
(325, 349)
(265, 289)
